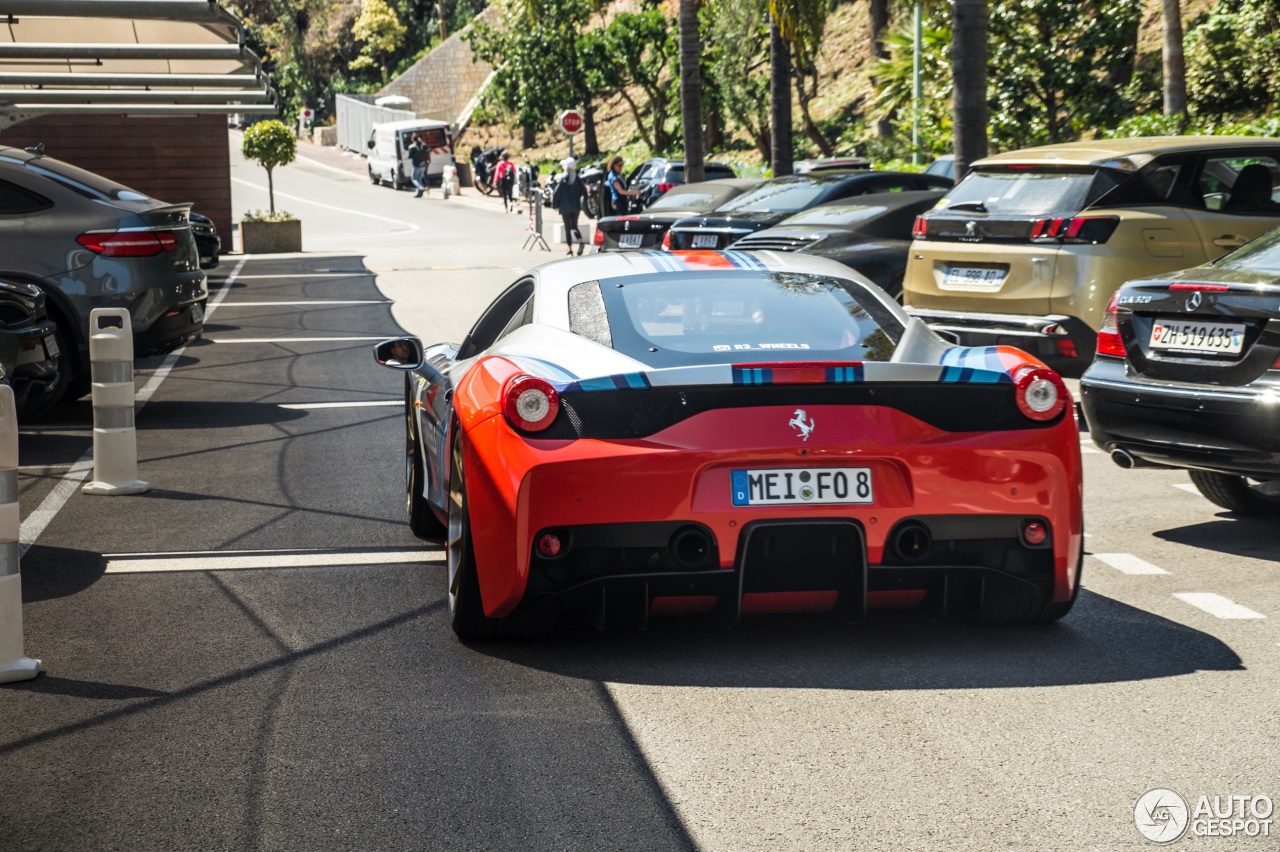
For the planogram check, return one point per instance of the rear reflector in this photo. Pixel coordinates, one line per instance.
(1035, 533)
(920, 228)
(598, 238)
(128, 243)
(1067, 349)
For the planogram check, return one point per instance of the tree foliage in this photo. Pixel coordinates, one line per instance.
(636, 50)
(736, 38)
(380, 33)
(269, 144)
(1233, 59)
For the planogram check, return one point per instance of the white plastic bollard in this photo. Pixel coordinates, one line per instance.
(115, 441)
(14, 665)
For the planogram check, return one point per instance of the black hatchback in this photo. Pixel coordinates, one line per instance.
(774, 200)
(1187, 375)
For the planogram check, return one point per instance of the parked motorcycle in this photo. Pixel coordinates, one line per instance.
(483, 164)
(593, 177)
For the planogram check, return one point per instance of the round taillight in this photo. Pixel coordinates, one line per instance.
(530, 403)
(1040, 392)
(1035, 533)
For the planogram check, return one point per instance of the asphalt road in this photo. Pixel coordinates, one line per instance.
(255, 654)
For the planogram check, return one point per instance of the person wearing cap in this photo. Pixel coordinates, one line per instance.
(568, 198)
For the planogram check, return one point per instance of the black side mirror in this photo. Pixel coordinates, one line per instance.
(399, 353)
(370, 144)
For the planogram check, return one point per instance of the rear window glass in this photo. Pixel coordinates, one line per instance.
(746, 316)
(1019, 192)
(1260, 255)
(674, 200)
(84, 183)
(785, 197)
(837, 214)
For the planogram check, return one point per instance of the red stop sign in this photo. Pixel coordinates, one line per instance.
(571, 121)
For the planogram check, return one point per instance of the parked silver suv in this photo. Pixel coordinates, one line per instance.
(89, 242)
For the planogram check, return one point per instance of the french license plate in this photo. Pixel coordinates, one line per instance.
(1213, 338)
(705, 240)
(197, 314)
(630, 240)
(790, 486)
(51, 347)
(973, 276)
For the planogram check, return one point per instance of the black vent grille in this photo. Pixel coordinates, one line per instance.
(638, 413)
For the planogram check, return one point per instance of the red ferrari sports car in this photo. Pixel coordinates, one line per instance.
(648, 432)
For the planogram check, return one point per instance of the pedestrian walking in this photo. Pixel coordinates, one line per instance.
(504, 179)
(569, 197)
(418, 158)
(617, 186)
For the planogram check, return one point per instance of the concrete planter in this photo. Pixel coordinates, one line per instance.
(270, 237)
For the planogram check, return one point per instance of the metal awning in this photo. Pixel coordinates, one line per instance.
(125, 57)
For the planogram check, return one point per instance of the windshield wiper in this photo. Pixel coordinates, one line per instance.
(975, 206)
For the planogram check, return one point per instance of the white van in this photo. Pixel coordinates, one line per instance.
(389, 151)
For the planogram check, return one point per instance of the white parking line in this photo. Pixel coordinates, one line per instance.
(360, 274)
(151, 563)
(308, 303)
(1217, 605)
(289, 339)
(369, 404)
(1187, 487)
(1127, 563)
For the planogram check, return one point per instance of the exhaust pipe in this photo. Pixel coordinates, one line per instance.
(690, 547)
(911, 541)
(1124, 458)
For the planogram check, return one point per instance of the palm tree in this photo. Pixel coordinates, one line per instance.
(779, 97)
(879, 21)
(1175, 66)
(969, 71)
(691, 89)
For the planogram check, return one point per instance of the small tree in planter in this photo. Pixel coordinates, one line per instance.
(270, 144)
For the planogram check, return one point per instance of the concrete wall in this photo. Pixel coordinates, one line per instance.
(172, 159)
(443, 82)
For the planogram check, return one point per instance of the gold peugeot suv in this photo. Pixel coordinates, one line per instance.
(1029, 247)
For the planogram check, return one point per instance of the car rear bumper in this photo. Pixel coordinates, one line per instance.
(970, 491)
(180, 325)
(1234, 431)
(1064, 343)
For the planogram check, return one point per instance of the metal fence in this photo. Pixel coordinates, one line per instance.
(357, 114)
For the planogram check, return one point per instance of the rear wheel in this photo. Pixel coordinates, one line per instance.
(1235, 493)
(1010, 604)
(373, 178)
(66, 368)
(467, 614)
(590, 207)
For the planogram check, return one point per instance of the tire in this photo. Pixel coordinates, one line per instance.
(894, 287)
(422, 520)
(484, 186)
(67, 375)
(590, 208)
(374, 179)
(1234, 493)
(467, 617)
(1017, 605)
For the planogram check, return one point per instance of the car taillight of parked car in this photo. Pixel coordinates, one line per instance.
(666, 241)
(128, 243)
(597, 239)
(1109, 340)
(663, 187)
(920, 228)
(1074, 229)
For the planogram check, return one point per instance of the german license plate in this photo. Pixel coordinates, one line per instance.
(630, 240)
(705, 240)
(790, 486)
(1212, 338)
(973, 276)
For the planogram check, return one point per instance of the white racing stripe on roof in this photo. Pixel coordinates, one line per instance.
(152, 563)
(365, 404)
(1217, 605)
(308, 302)
(290, 339)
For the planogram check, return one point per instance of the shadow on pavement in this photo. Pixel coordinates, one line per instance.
(58, 572)
(1239, 535)
(49, 685)
(1102, 641)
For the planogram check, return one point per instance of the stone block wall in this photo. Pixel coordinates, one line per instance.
(442, 83)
